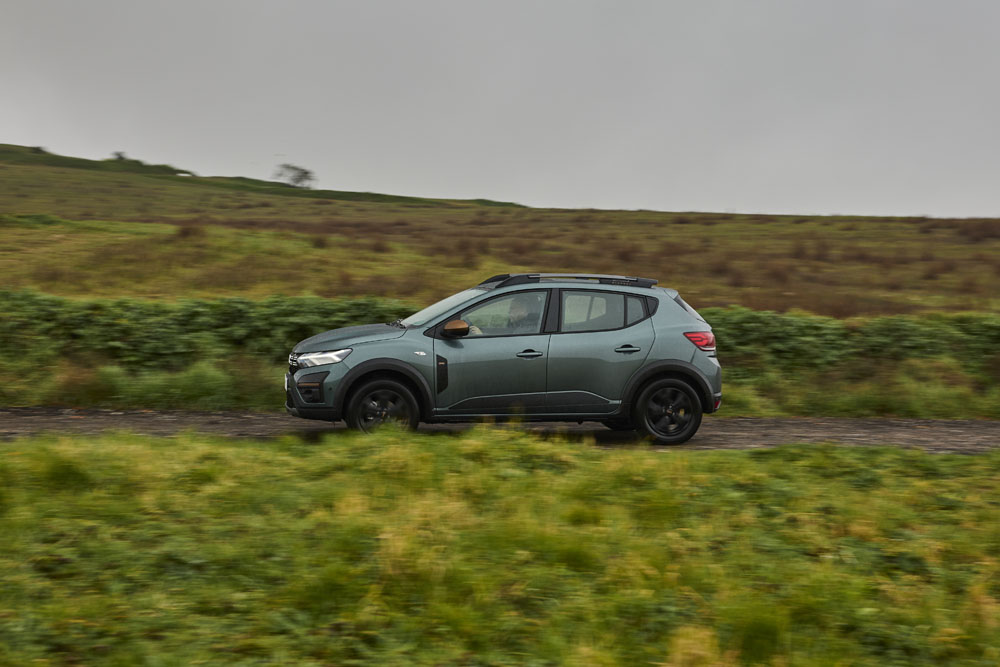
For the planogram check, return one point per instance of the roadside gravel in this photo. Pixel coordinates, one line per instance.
(960, 436)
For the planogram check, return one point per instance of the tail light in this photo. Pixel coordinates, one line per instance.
(705, 340)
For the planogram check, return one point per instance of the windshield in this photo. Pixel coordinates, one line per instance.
(441, 307)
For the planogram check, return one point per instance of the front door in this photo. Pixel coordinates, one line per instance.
(499, 368)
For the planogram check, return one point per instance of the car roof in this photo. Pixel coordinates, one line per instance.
(598, 281)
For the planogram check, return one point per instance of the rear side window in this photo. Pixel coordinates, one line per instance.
(633, 310)
(592, 311)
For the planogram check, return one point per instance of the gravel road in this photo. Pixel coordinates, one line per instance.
(716, 432)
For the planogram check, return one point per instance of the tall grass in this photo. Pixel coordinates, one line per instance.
(493, 548)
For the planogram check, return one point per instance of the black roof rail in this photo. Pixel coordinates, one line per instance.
(496, 278)
(508, 279)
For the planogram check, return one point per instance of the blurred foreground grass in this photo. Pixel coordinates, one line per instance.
(493, 547)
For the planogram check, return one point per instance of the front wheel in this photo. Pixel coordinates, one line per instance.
(669, 411)
(382, 402)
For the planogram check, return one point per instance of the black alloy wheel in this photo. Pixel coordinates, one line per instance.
(382, 402)
(669, 411)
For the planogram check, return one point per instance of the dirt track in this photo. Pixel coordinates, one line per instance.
(715, 433)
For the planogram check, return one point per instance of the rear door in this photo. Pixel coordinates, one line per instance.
(602, 339)
(499, 368)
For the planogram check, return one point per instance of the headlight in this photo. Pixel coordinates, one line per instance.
(319, 358)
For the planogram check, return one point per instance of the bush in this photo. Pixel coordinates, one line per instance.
(794, 341)
(227, 353)
(138, 334)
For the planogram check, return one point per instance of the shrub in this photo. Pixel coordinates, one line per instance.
(149, 334)
(227, 353)
(136, 334)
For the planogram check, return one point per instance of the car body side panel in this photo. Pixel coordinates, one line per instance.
(586, 373)
(485, 375)
(410, 354)
(671, 322)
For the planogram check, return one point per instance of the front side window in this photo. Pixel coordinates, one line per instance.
(508, 315)
(592, 311)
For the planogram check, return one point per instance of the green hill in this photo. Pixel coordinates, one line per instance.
(37, 156)
(121, 227)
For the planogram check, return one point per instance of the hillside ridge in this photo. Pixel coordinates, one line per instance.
(14, 154)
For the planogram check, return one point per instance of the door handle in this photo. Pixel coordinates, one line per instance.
(529, 354)
(625, 349)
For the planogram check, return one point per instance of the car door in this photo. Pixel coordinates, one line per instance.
(603, 338)
(499, 368)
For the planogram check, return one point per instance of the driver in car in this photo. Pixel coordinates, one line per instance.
(521, 318)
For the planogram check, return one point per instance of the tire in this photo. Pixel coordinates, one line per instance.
(379, 402)
(619, 425)
(669, 411)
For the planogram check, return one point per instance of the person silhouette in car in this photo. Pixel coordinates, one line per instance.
(522, 317)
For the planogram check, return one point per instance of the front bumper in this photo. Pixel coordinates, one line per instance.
(324, 414)
(309, 392)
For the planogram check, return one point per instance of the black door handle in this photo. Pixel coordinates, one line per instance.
(529, 354)
(625, 349)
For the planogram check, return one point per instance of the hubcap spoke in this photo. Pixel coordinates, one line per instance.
(381, 406)
(669, 411)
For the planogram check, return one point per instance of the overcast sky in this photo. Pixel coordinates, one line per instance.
(791, 106)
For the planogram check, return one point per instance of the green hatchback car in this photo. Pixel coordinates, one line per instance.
(535, 346)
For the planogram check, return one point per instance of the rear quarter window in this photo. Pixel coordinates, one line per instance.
(633, 310)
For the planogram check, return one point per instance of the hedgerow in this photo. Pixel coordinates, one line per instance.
(791, 341)
(144, 334)
(229, 354)
(140, 334)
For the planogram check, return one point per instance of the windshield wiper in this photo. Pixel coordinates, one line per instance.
(397, 323)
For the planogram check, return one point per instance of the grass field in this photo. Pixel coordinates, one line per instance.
(100, 230)
(493, 548)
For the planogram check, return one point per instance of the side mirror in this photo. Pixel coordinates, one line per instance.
(456, 329)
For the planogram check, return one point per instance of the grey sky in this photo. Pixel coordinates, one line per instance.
(796, 106)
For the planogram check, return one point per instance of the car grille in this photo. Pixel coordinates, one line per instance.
(293, 362)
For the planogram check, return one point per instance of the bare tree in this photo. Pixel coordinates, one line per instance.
(119, 155)
(295, 176)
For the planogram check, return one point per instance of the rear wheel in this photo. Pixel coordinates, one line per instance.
(669, 411)
(381, 402)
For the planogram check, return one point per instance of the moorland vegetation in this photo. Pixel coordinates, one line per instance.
(92, 232)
